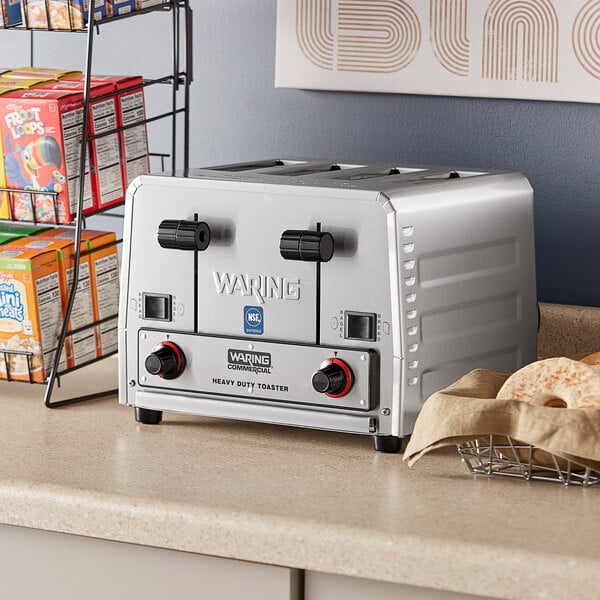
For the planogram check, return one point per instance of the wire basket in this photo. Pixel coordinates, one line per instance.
(500, 455)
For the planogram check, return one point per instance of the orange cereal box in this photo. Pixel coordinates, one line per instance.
(30, 313)
(81, 345)
(104, 267)
(104, 278)
(41, 134)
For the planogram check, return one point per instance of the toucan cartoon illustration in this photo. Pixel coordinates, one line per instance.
(23, 166)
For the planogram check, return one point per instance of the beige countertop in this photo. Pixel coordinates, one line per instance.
(291, 497)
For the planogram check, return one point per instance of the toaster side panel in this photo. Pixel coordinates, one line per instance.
(467, 282)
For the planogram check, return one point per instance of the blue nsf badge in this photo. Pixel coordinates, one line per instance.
(254, 322)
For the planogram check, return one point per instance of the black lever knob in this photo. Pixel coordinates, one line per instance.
(333, 378)
(166, 360)
(311, 246)
(184, 235)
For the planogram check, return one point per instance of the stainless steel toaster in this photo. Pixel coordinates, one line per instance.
(320, 294)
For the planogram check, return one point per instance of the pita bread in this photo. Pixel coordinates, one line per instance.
(559, 382)
(591, 359)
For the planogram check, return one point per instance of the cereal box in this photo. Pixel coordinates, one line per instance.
(30, 313)
(81, 345)
(41, 133)
(11, 13)
(104, 277)
(20, 83)
(6, 239)
(120, 7)
(105, 154)
(5, 212)
(130, 110)
(141, 4)
(39, 73)
(61, 14)
(104, 263)
(16, 230)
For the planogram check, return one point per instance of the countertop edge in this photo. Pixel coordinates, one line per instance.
(451, 565)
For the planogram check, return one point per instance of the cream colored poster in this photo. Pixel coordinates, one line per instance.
(533, 49)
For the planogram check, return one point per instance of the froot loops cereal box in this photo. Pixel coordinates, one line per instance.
(41, 136)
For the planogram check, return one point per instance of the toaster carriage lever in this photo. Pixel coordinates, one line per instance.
(183, 235)
(306, 245)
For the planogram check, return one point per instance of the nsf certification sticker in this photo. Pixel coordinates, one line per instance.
(254, 322)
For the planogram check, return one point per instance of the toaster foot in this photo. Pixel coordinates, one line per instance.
(387, 443)
(148, 416)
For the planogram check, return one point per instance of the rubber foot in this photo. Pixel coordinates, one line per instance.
(387, 443)
(148, 416)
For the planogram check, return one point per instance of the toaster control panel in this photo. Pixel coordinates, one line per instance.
(258, 371)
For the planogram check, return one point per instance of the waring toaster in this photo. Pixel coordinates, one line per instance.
(319, 294)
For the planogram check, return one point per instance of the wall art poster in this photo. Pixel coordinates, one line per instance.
(531, 49)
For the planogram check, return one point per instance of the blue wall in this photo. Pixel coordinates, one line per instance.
(238, 114)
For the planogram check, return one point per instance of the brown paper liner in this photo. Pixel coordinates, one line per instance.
(468, 410)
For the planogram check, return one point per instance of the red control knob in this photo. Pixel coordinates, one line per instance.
(166, 360)
(334, 378)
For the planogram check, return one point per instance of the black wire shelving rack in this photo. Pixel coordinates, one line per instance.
(179, 79)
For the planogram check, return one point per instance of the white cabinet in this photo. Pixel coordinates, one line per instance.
(323, 586)
(56, 566)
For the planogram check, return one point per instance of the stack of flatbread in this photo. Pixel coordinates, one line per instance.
(552, 404)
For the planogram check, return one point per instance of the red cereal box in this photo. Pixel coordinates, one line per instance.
(41, 133)
(105, 155)
(130, 110)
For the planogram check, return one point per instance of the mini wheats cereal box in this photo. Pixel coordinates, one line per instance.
(81, 345)
(30, 313)
(104, 276)
(104, 266)
(41, 134)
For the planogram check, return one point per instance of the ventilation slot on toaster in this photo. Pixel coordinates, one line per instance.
(312, 169)
(260, 164)
(378, 174)
(455, 174)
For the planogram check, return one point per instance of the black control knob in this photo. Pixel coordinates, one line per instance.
(184, 235)
(311, 246)
(334, 378)
(166, 360)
